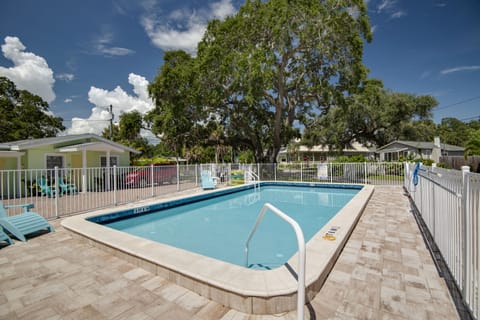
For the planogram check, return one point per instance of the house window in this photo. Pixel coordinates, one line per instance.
(113, 161)
(54, 161)
(426, 153)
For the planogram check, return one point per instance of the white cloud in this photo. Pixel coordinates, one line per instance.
(183, 28)
(102, 45)
(386, 5)
(390, 7)
(398, 14)
(29, 72)
(68, 100)
(120, 100)
(460, 69)
(67, 77)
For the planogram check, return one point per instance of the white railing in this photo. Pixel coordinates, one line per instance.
(449, 204)
(104, 187)
(301, 251)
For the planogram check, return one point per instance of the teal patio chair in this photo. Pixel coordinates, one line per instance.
(5, 237)
(66, 188)
(208, 181)
(24, 223)
(45, 189)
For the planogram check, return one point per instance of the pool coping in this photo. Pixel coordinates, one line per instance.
(246, 290)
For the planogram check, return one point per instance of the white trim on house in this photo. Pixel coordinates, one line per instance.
(92, 146)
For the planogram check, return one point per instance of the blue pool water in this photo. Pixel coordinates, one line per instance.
(218, 227)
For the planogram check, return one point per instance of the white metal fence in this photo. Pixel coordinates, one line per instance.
(448, 202)
(66, 191)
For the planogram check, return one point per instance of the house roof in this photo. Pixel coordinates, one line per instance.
(64, 141)
(393, 146)
(355, 147)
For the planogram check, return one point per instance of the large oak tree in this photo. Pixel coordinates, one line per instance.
(262, 72)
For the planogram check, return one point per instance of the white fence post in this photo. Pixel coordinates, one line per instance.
(301, 171)
(365, 173)
(151, 181)
(57, 191)
(466, 234)
(178, 177)
(114, 185)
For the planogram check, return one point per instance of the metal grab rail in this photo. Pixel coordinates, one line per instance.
(254, 178)
(301, 252)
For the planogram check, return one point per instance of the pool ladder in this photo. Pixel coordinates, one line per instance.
(301, 252)
(252, 177)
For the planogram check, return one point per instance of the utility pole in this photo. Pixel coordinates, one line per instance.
(111, 122)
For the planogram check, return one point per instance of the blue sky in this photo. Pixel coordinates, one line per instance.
(81, 56)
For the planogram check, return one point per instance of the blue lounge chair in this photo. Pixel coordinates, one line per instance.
(5, 237)
(66, 188)
(208, 181)
(45, 189)
(24, 223)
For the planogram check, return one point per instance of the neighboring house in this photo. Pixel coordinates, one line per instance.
(65, 152)
(323, 153)
(418, 149)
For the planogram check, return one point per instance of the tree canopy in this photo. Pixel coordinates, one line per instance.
(374, 115)
(24, 115)
(260, 72)
(276, 68)
(176, 112)
(472, 146)
(128, 131)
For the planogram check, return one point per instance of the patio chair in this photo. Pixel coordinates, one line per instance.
(5, 237)
(24, 223)
(45, 189)
(66, 188)
(208, 181)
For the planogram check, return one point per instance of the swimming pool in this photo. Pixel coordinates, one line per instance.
(218, 227)
(247, 290)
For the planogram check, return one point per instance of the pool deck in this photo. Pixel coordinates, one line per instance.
(384, 272)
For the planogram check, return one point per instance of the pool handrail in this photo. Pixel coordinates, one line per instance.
(254, 178)
(301, 252)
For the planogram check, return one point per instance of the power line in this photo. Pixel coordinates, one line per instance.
(471, 118)
(457, 103)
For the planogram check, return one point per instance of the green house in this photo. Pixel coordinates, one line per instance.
(65, 152)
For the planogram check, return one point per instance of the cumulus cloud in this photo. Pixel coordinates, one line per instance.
(29, 72)
(120, 100)
(68, 100)
(184, 28)
(67, 77)
(460, 69)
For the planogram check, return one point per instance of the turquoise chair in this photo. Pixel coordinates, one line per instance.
(66, 188)
(208, 181)
(24, 223)
(5, 237)
(45, 189)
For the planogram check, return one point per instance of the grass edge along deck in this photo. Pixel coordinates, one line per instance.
(246, 290)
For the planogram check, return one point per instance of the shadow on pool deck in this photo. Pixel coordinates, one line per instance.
(384, 272)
